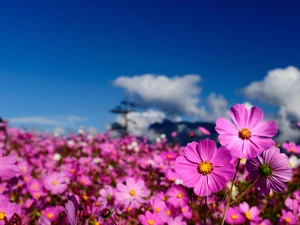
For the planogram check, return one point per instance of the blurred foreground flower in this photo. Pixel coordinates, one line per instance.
(270, 169)
(204, 167)
(203, 130)
(8, 169)
(248, 136)
(72, 210)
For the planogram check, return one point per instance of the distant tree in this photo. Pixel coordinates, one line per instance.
(124, 108)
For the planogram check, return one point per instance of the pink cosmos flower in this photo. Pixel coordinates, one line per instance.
(252, 213)
(204, 167)
(291, 147)
(288, 218)
(52, 212)
(203, 130)
(178, 196)
(272, 170)
(234, 216)
(56, 183)
(150, 219)
(157, 204)
(178, 220)
(132, 194)
(248, 136)
(8, 169)
(7, 209)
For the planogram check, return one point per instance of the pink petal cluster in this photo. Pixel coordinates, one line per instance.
(247, 136)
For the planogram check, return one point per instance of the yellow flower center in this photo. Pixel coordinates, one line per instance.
(248, 215)
(150, 222)
(292, 149)
(54, 183)
(244, 134)
(50, 215)
(157, 209)
(132, 192)
(182, 209)
(179, 195)
(2, 215)
(233, 216)
(287, 219)
(35, 186)
(205, 168)
(169, 212)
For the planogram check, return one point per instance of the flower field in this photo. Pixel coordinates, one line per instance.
(242, 178)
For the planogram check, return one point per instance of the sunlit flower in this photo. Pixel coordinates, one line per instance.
(248, 136)
(271, 169)
(204, 167)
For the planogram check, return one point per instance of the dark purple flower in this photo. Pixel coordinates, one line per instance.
(271, 169)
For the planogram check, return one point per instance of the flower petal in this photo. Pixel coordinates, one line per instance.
(201, 188)
(206, 149)
(255, 116)
(239, 115)
(265, 129)
(190, 152)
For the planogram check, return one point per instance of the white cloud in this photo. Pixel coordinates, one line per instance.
(174, 96)
(35, 120)
(59, 131)
(142, 121)
(61, 121)
(280, 87)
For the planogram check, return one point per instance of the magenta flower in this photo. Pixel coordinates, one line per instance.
(132, 194)
(291, 147)
(248, 136)
(234, 216)
(203, 130)
(150, 219)
(177, 196)
(72, 209)
(7, 209)
(204, 167)
(298, 124)
(252, 213)
(8, 169)
(52, 212)
(157, 204)
(288, 218)
(56, 183)
(271, 169)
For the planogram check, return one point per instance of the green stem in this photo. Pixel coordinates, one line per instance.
(229, 194)
(250, 186)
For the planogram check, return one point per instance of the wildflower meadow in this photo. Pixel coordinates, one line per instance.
(243, 177)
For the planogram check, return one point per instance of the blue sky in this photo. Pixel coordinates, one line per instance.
(61, 58)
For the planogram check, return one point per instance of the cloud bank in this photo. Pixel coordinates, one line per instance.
(280, 87)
